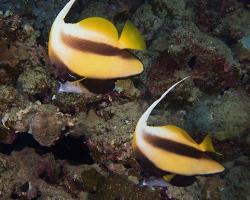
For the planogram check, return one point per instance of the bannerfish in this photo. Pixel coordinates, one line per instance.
(91, 48)
(169, 149)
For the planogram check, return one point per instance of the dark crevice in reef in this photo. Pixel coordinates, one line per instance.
(99, 86)
(73, 150)
(191, 63)
(67, 148)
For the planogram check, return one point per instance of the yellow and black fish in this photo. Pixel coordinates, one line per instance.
(170, 149)
(91, 48)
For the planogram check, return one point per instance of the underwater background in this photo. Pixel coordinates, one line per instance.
(63, 146)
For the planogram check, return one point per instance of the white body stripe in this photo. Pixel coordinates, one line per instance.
(170, 135)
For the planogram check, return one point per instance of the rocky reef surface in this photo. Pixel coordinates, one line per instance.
(78, 146)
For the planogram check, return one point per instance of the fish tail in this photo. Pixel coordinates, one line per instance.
(131, 38)
(143, 120)
(207, 145)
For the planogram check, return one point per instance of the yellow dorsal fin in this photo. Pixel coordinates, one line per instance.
(101, 25)
(62, 14)
(131, 38)
(207, 145)
(180, 132)
(143, 120)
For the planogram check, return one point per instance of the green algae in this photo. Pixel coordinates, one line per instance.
(238, 180)
(119, 187)
(35, 81)
(114, 123)
(91, 179)
(9, 98)
(146, 19)
(232, 116)
(127, 87)
(234, 25)
(242, 49)
(74, 103)
(226, 117)
(115, 127)
(8, 94)
(172, 8)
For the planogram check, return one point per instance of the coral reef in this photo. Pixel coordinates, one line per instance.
(127, 88)
(35, 81)
(74, 103)
(226, 117)
(43, 121)
(56, 145)
(22, 176)
(210, 60)
(237, 179)
(109, 131)
(242, 49)
(234, 25)
(118, 187)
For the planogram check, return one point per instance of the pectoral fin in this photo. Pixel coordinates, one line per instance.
(168, 177)
(74, 87)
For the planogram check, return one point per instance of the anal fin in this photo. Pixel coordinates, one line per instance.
(74, 87)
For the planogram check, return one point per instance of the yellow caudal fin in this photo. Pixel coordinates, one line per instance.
(131, 38)
(207, 145)
(100, 25)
